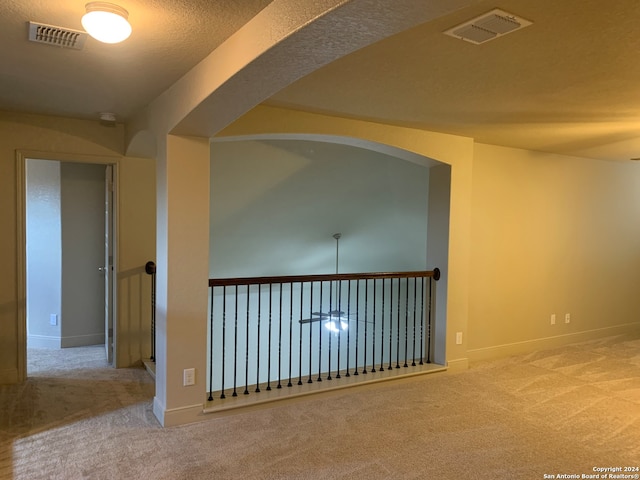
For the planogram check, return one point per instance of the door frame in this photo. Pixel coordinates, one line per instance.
(21, 202)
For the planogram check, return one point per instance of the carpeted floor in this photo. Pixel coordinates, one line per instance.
(554, 412)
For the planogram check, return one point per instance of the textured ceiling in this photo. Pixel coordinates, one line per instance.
(566, 84)
(169, 37)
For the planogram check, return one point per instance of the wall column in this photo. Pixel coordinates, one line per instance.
(182, 274)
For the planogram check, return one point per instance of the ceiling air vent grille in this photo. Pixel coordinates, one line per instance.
(57, 36)
(493, 24)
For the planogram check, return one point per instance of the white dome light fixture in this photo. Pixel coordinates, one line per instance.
(106, 22)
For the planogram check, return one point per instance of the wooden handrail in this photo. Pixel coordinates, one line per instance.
(221, 282)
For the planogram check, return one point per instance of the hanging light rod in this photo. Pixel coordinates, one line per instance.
(106, 22)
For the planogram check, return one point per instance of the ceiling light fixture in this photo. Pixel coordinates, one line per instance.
(106, 22)
(334, 320)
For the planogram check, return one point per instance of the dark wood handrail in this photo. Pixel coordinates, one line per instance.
(221, 282)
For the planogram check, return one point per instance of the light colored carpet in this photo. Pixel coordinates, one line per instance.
(561, 411)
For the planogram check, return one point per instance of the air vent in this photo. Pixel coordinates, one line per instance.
(493, 24)
(57, 36)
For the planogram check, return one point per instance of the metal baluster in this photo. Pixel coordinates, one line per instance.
(290, 331)
(349, 327)
(415, 294)
(330, 336)
(381, 328)
(421, 319)
(258, 349)
(390, 321)
(406, 323)
(339, 302)
(300, 335)
(373, 340)
(320, 335)
(150, 269)
(340, 330)
(398, 330)
(366, 319)
(246, 352)
(211, 348)
(235, 346)
(280, 340)
(357, 323)
(310, 333)
(224, 333)
(429, 320)
(269, 344)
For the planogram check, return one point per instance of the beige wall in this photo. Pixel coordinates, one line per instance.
(137, 237)
(61, 139)
(551, 234)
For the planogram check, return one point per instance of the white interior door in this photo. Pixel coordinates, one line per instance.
(109, 275)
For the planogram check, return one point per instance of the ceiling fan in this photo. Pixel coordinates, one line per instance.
(334, 320)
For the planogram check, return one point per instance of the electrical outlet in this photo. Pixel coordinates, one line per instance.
(553, 319)
(567, 318)
(53, 319)
(458, 338)
(189, 377)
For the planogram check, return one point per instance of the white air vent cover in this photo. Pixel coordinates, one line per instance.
(486, 27)
(58, 36)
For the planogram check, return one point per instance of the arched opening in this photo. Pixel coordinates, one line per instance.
(277, 201)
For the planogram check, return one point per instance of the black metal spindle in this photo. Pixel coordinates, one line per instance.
(235, 346)
(381, 327)
(398, 329)
(373, 327)
(406, 322)
(339, 302)
(421, 320)
(269, 343)
(415, 293)
(150, 269)
(429, 320)
(349, 327)
(258, 343)
(290, 331)
(330, 336)
(211, 348)
(224, 335)
(310, 333)
(320, 337)
(366, 323)
(246, 352)
(300, 334)
(280, 340)
(357, 323)
(390, 321)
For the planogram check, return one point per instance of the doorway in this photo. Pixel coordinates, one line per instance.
(69, 256)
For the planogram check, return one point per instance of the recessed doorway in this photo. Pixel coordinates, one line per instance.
(69, 257)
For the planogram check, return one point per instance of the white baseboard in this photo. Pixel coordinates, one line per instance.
(527, 346)
(177, 416)
(43, 341)
(82, 340)
(457, 365)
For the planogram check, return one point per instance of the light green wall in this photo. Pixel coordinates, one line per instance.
(276, 204)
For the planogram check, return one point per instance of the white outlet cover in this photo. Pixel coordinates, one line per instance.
(189, 377)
